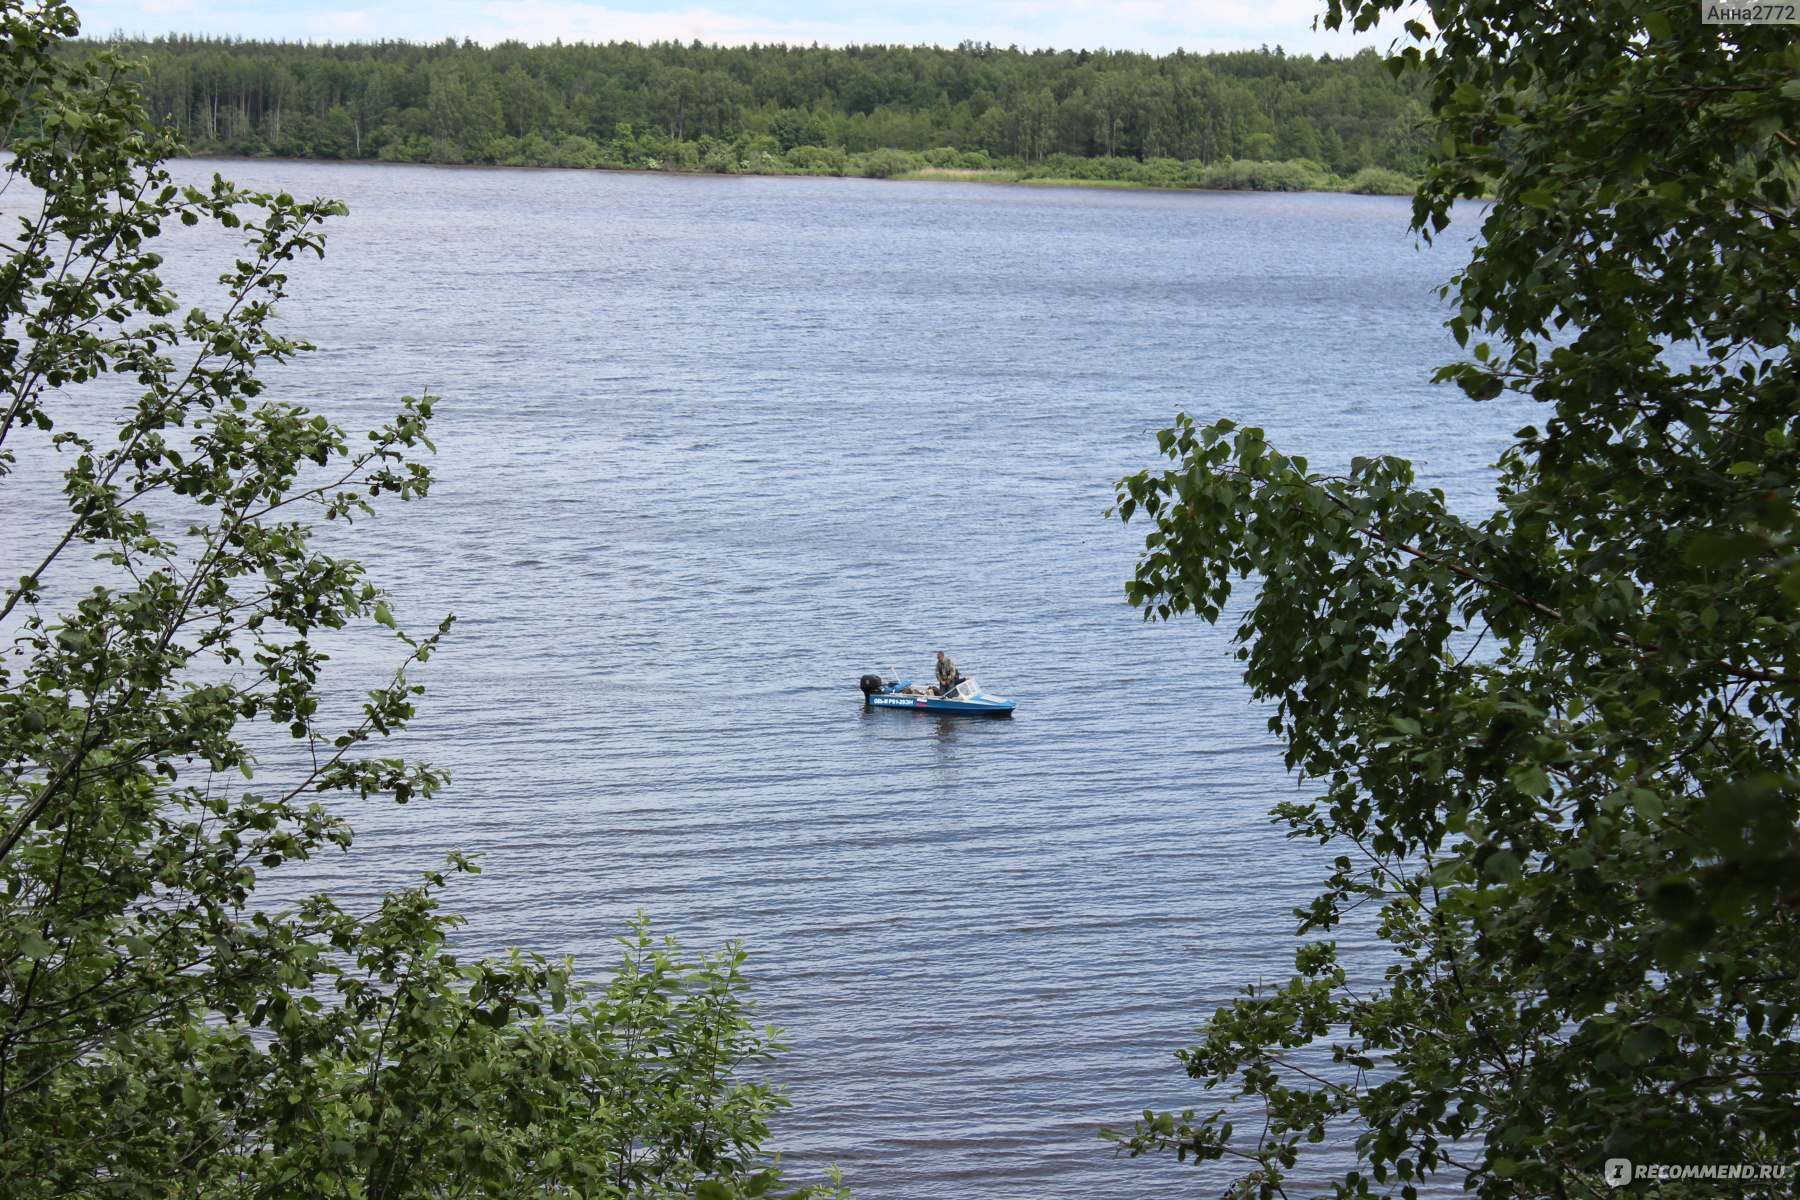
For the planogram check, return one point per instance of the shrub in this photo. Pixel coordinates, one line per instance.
(816, 160)
(1247, 175)
(885, 164)
(1379, 181)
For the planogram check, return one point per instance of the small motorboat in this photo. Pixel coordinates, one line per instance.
(965, 699)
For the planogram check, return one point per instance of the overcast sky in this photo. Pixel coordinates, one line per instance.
(1158, 26)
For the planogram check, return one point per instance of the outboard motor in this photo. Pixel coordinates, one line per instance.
(870, 684)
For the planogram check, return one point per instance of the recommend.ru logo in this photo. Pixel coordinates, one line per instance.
(1621, 1171)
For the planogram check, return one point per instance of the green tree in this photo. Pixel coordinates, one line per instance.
(337, 135)
(464, 110)
(794, 128)
(466, 103)
(165, 1028)
(1555, 748)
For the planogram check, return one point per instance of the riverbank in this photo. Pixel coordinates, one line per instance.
(1297, 176)
(1293, 175)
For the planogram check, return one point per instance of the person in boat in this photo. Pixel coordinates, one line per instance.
(947, 675)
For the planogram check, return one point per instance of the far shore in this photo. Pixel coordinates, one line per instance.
(925, 174)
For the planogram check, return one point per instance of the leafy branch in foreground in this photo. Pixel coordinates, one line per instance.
(165, 1028)
(1554, 747)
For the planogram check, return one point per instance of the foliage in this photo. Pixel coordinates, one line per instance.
(462, 103)
(1379, 181)
(166, 1028)
(1555, 747)
(886, 164)
(1297, 175)
(816, 160)
(1300, 175)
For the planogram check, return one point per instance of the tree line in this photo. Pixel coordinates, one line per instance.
(776, 108)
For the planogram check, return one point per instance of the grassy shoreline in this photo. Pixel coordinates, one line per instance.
(1244, 176)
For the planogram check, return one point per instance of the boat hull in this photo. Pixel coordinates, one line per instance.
(975, 706)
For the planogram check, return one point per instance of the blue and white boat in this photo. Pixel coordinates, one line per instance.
(965, 699)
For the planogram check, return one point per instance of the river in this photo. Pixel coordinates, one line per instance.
(710, 449)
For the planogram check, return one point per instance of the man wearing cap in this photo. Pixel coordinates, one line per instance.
(946, 673)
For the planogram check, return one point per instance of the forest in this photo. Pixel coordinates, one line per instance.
(1260, 119)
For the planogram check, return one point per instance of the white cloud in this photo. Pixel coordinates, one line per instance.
(1157, 26)
(573, 21)
(346, 25)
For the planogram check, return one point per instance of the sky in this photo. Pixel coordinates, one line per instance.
(1156, 26)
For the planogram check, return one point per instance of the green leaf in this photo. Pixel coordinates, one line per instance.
(1531, 780)
(1718, 550)
(1749, 819)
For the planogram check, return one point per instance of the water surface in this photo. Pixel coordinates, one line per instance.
(712, 448)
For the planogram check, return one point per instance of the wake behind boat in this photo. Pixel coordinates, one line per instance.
(965, 699)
